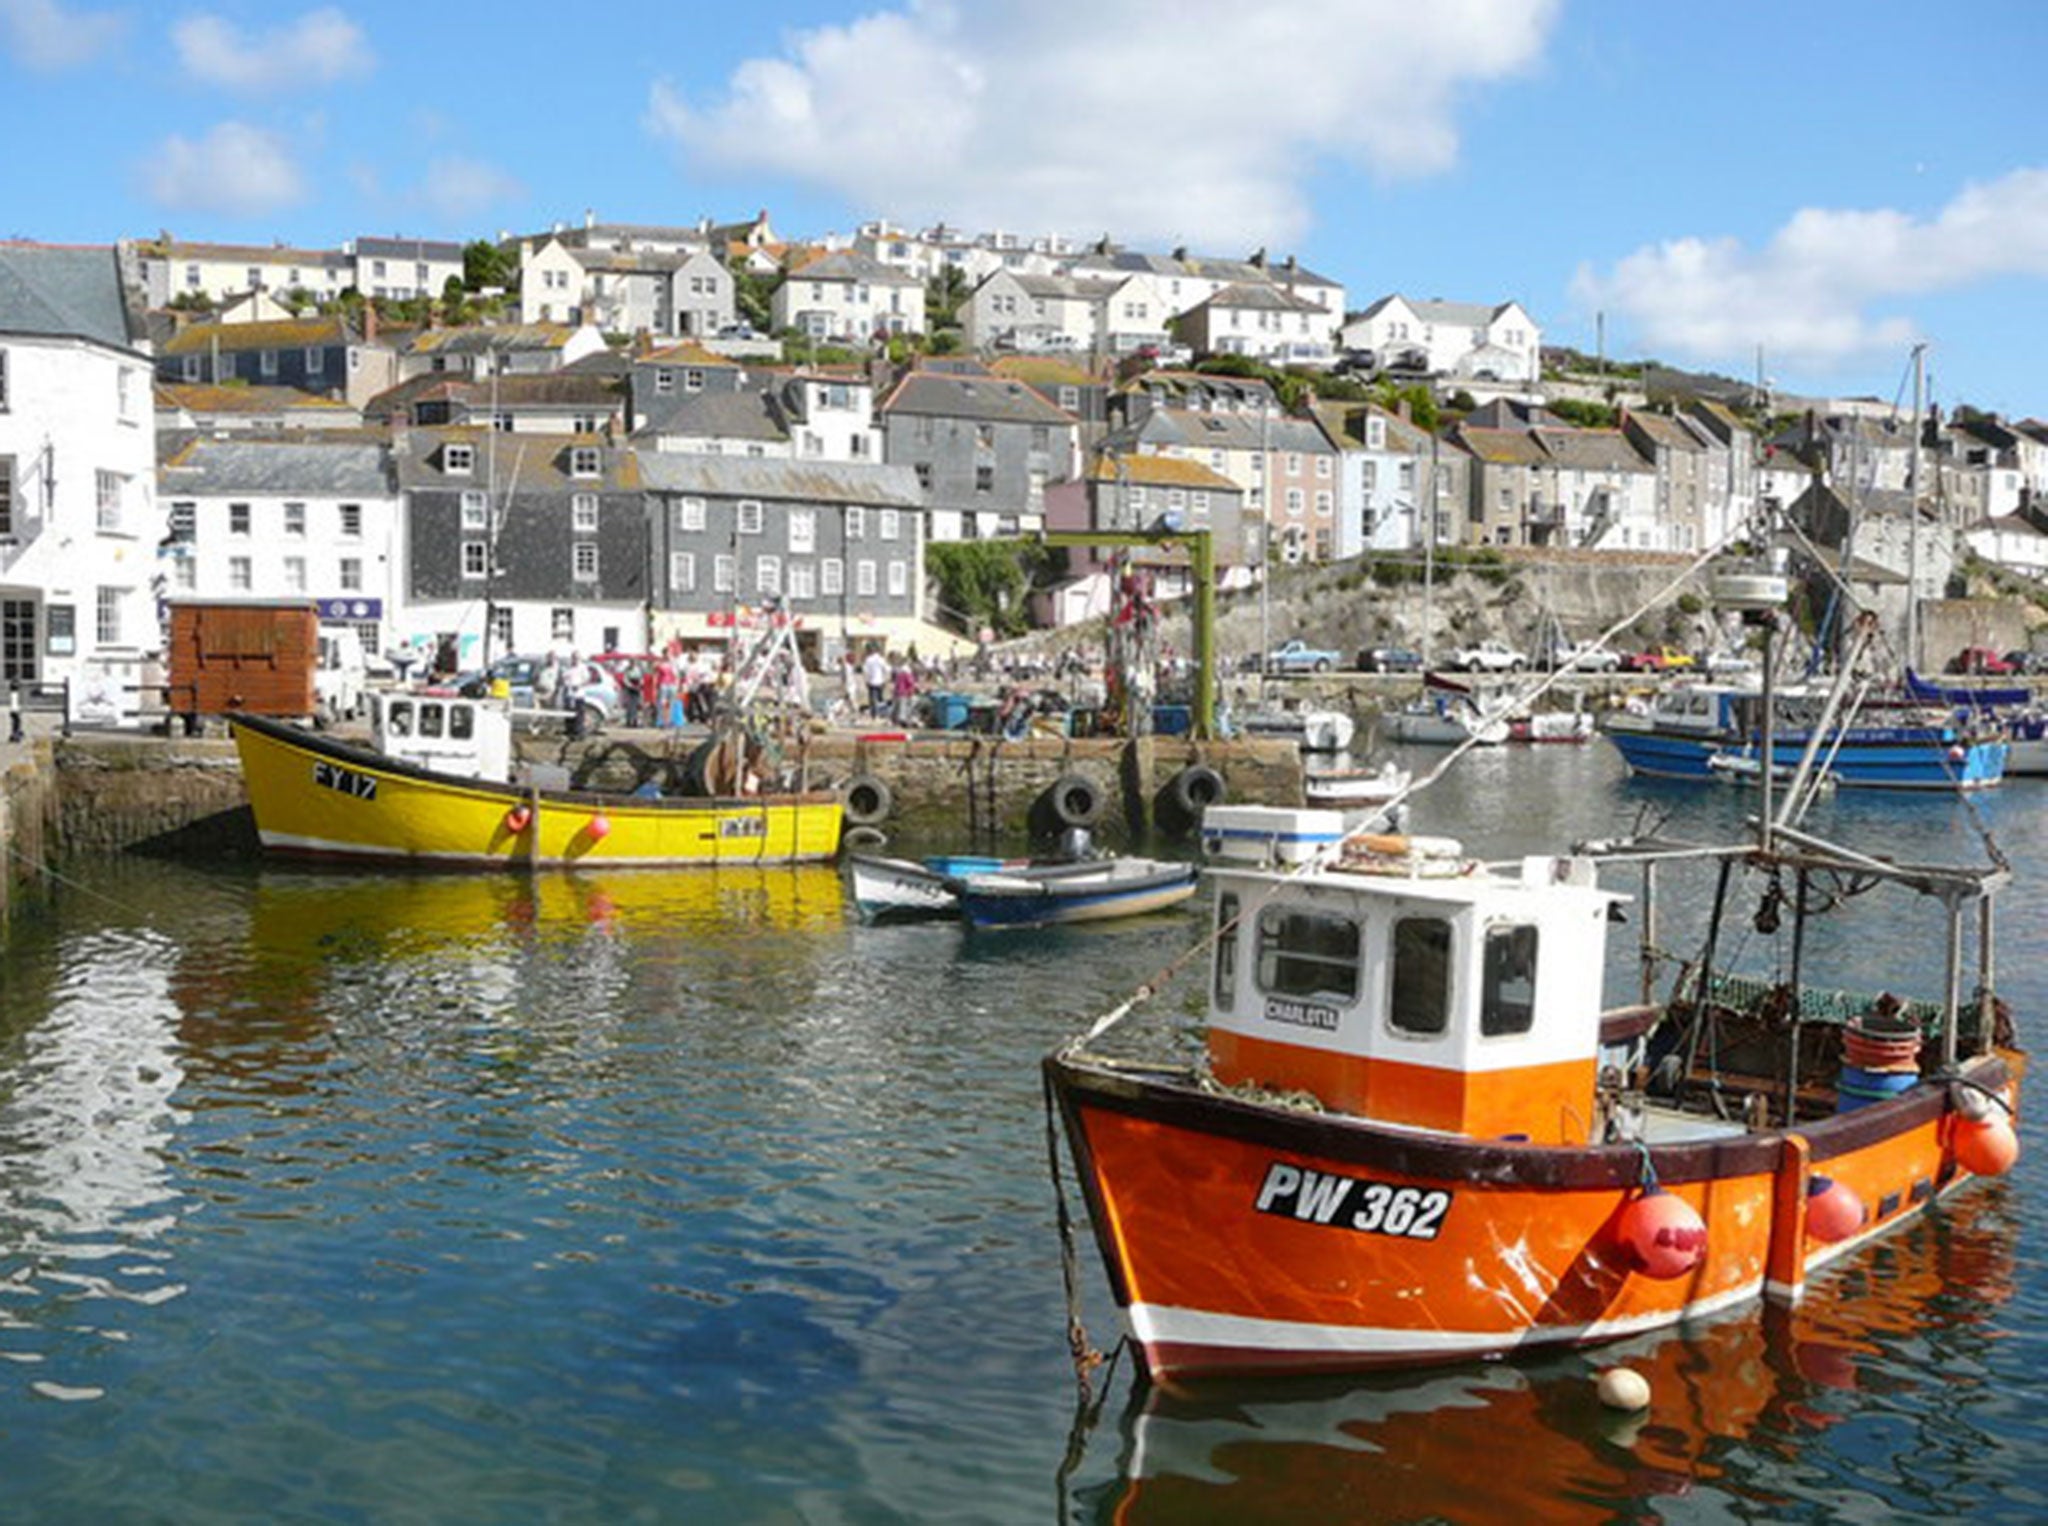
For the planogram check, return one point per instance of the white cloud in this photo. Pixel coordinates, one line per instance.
(1195, 120)
(44, 35)
(1813, 294)
(455, 187)
(319, 48)
(235, 169)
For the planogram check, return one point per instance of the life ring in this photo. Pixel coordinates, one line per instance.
(864, 838)
(1073, 800)
(865, 801)
(1195, 788)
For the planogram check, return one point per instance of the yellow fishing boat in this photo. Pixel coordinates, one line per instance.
(435, 792)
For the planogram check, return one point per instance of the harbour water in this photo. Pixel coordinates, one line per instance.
(685, 1197)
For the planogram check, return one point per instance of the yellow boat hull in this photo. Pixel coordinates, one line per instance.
(317, 798)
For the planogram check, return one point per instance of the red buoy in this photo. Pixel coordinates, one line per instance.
(600, 826)
(1833, 1210)
(1986, 1146)
(1664, 1236)
(518, 818)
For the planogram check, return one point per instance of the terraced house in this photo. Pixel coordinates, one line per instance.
(542, 539)
(983, 449)
(79, 522)
(320, 354)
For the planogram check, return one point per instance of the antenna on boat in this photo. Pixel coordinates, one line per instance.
(1757, 589)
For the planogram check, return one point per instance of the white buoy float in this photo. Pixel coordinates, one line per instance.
(1624, 1388)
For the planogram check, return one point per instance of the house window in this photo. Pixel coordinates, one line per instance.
(184, 574)
(584, 559)
(268, 361)
(316, 360)
(108, 488)
(107, 627)
(689, 513)
(682, 571)
(693, 381)
(184, 516)
(924, 475)
(561, 623)
(1323, 467)
(888, 524)
(864, 579)
(7, 500)
(350, 574)
(476, 511)
(664, 382)
(984, 479)
(1323, 503)
(238, 519)
(803, 531)
(1070, 398)
(458, 460)
(899, 579)
(583, 511)
(352, 520)
(768, 574)
(1294, 503)
(189, 368)
(856, 522)
(831, 577)
(295, 574)
(803, 580)
(241, 574)
(724, 574)
(476, 559)
(750, 516)
(295, 519)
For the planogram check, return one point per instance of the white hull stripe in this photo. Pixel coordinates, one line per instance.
(1161, 1324)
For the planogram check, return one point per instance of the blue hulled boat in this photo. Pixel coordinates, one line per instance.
(1685, 728)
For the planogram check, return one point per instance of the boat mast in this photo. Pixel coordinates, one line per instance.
(1912, 641)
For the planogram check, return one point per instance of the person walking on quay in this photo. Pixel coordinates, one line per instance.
(629, 692)
(875, 670)
(665, 692)
(903, 684)
(851, 683)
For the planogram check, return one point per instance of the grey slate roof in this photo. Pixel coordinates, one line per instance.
(850, 265)
(743, 415)
(892, 487)
(972, 397)
(53, 290)
(313, 469)
(407, 249)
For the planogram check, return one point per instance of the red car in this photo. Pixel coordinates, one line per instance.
(1981, 659)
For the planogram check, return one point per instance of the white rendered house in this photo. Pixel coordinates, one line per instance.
(78, 515)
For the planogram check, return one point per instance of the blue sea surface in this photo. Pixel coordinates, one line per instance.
(672, 1197)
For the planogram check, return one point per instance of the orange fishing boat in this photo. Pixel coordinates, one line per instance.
(1414, 1133)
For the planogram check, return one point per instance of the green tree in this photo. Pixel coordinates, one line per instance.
(943, 294)
(981, 583)
(753, 297)
(485, 264)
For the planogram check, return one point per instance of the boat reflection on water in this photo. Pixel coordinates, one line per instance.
(414, 913)
(1531, 1441)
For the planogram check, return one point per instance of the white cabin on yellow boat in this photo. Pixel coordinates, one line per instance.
(1410, 985)
(446, 734)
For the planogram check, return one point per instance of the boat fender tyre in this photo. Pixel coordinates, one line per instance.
(865, 801)
(1188, 793)
(1074, 801)
(864, 839)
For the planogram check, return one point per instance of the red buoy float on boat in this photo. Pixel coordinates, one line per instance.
(600, 827)
(1665, 1237)
(1986, 1146)
(1833, 1210)
(518, 819)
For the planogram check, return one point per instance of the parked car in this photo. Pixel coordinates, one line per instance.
(1297, 656)
(1981, 659)
(738, 331)
(2025, 661)
(1581, 657)
(1658, 659)
(1730, 664)
(1389, 659)
(1487, 657)
(599, 696)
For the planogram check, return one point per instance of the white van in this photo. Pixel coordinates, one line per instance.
(339, 674)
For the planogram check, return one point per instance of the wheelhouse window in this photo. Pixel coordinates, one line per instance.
(1307, 953)
(1507, 998)
(1419, 1001)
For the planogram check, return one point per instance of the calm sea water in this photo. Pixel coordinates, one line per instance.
(686, 1198)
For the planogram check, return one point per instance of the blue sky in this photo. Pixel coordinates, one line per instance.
(1825, 182)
